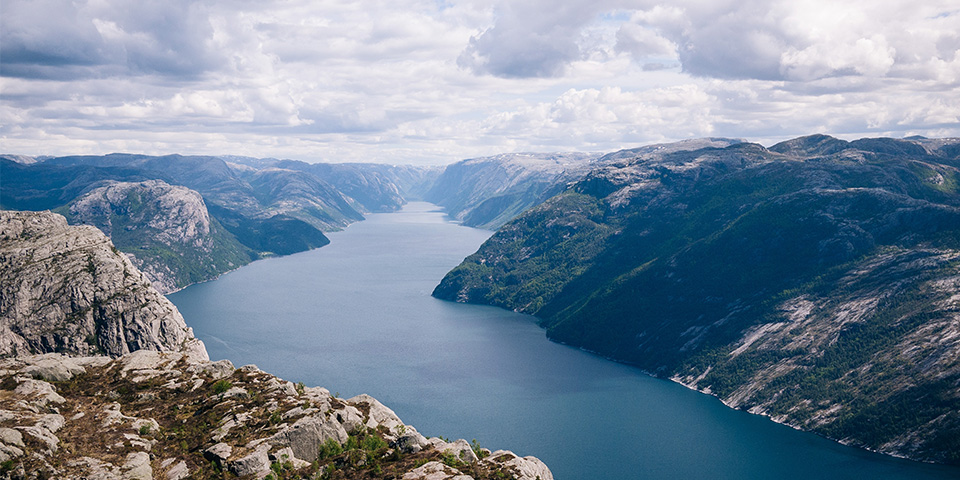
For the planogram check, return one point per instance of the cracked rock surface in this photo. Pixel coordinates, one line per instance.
(67, 289)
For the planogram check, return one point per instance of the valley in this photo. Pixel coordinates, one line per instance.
(811, 282)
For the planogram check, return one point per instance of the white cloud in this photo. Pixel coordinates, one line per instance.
(422, 81)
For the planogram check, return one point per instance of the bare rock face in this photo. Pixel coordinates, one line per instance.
(188, 221)
(165, 230)
(67, 289)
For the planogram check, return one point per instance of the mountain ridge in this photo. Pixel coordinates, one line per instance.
(684, 263)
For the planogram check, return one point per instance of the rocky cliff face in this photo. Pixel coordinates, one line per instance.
(813, 281)
(164, 415)
(68, 289)
(166, 231)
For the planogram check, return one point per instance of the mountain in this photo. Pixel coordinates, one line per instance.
(280, 213)
(487, 192)
(813, 281)
(301, 195)
(24, 159)
(43, 186)
(256, 207)
(151, 404)
(376, 187)
(166, 231)
(68, 289)
(224, 187)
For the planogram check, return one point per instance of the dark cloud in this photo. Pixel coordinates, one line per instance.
(58, 39)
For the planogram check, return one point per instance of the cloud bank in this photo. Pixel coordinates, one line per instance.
(429, 81)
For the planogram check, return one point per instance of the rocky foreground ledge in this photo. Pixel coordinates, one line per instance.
(165, 415)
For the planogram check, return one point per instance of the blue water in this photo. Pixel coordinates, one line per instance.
(356, 317)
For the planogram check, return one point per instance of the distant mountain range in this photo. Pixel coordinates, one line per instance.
(185, 219)
(815, 281)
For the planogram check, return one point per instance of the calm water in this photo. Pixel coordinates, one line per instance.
(356, 317)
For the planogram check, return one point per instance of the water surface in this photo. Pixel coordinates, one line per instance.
(356, 317)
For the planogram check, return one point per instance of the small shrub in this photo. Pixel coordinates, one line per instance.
(145, 429)
(477, 449)
(280, 467)
(373, 443)
(449, 459)
(330, 448)
(221, 386)
(352, 443)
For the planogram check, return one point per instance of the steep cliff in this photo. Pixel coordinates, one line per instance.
(166, 230)
(68, 289)
(813, 281)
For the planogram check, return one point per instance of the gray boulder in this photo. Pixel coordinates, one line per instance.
(306, 436)
(255, 463)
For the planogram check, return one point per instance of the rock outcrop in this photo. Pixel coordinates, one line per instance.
(167, 415)
(165, 229)
(68, 289)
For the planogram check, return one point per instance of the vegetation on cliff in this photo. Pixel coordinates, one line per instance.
(813, 281)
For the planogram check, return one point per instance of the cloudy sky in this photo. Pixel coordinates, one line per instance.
(434, 81)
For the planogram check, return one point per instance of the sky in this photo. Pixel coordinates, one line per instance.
(435, 81)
